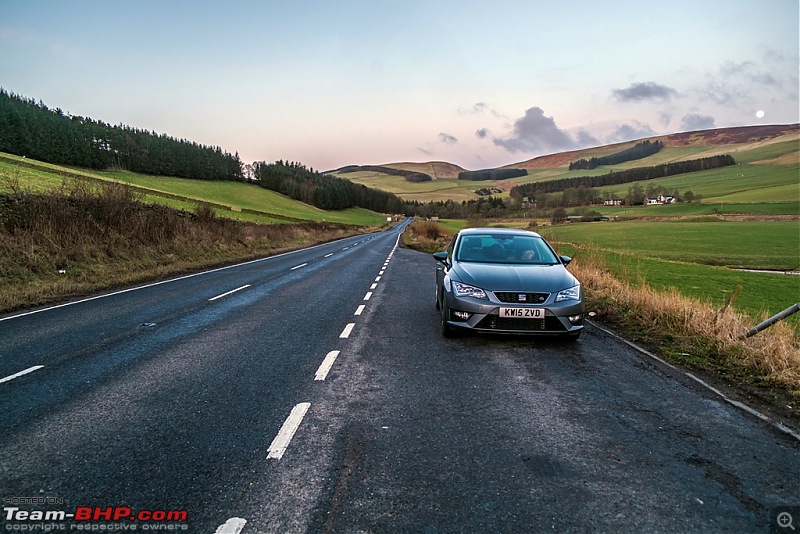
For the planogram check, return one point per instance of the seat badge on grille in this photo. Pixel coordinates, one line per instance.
(522, 297)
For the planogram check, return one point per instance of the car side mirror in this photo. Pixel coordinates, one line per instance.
(565, 259)
(440, 256)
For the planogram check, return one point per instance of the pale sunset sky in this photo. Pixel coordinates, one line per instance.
(478, 84)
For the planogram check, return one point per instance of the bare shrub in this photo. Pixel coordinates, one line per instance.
(429, 230)
(11, 182)
(204, 212)
(427, 236)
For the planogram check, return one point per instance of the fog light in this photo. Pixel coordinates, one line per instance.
(462, 315)
(576, 319)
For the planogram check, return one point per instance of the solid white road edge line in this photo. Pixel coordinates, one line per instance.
(737, 404)
(360, 309)
(24, 372)
(229, 292)
(234, 525)
(327, 363)
(347, 330)
(286, 433)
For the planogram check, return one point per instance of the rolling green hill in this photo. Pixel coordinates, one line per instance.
(236, 200)
(768, 168)
(767, 172)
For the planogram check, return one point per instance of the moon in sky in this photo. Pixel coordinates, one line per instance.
(759, 113)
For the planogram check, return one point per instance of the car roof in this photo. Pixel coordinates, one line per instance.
(500, 231)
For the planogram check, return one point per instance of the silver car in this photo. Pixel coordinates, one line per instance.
(507, 281)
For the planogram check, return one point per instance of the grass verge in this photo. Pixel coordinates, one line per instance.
(87, 237)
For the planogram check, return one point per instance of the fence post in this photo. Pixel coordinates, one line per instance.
(774, 319)
(730, 300)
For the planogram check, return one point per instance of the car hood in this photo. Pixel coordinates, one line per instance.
(503, 277)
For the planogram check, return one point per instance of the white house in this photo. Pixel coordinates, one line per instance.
(660, 199)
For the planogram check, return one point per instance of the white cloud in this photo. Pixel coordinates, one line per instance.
(629, 132)
(447, 138)
(694, 121)
(536, 133)
(644, 91)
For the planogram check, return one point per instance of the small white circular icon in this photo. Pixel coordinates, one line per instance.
(785, 520)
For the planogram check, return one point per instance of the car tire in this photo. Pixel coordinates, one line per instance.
(438, 306)
(572, 336)
(446, 329)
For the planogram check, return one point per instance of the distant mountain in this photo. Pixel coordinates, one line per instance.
(742, 135)
(677, 147)
(434, 169)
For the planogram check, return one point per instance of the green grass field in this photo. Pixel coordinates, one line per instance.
(690, 256)
(750, 244)
(232, 197)
(676, 211)
(738, 183)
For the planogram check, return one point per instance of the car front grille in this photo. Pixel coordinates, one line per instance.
(519, 297)
(495, 322)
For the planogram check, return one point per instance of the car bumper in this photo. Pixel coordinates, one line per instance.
(483, 316)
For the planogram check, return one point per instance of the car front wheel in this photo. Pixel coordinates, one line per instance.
(446, 329)
(572, 336)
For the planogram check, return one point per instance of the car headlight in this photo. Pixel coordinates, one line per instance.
(464, 290)
(573, 293)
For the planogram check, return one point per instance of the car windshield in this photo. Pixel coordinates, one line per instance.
(504, 248)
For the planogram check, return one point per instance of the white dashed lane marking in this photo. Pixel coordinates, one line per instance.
(326, 365)
(21, 373)
(229, 292)
(286, 433)
(347, 331)
(234, 525)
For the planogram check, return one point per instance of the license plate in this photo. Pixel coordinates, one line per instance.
(522, 313)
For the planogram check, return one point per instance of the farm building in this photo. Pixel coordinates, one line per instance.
(660, 199)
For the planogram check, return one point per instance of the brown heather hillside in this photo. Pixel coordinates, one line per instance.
(742, 135)
(562, 159)
(731, 140)
(730, 136)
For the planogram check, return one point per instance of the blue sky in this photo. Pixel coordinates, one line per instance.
(332, 83)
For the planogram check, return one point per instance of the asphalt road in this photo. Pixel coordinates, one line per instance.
(311, 392)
